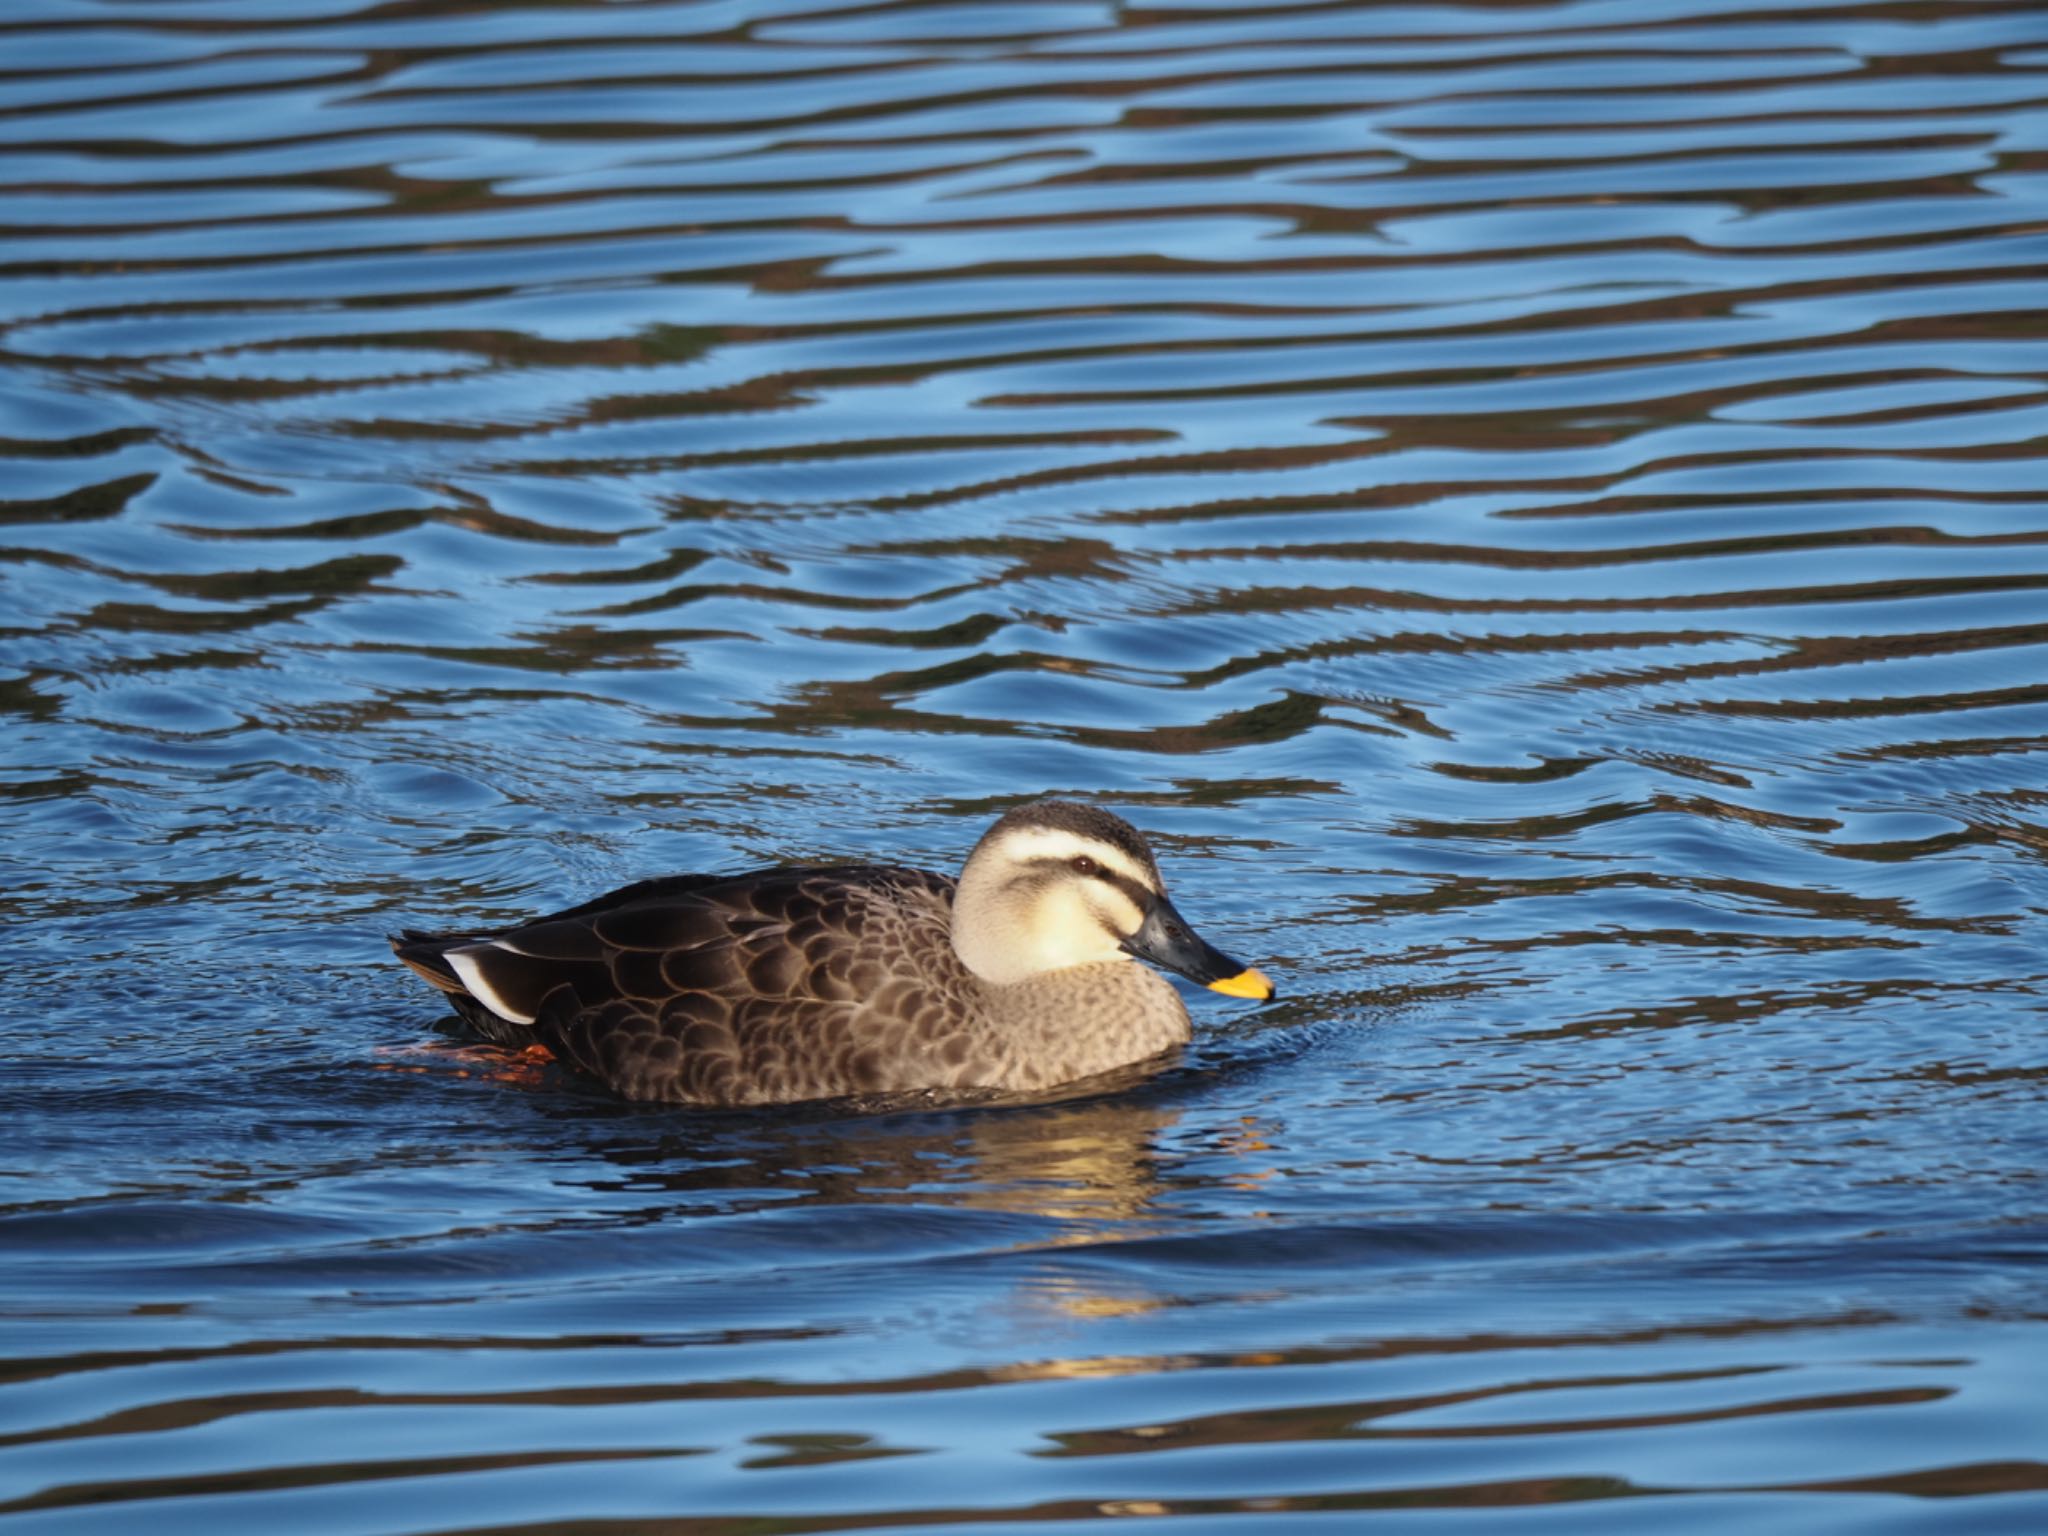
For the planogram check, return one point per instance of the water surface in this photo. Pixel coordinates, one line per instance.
(1539, 509)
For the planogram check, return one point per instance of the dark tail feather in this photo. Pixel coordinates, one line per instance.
(427, 955)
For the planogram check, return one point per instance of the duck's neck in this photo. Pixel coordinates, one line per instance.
(985, 938)
(1086, 1019)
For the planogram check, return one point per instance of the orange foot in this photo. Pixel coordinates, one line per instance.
(497, 1063)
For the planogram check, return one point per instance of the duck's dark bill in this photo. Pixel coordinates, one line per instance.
(1168, 942)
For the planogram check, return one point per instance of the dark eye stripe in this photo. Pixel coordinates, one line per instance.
(1140, 895)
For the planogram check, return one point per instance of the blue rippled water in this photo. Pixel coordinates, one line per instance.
(1539, 509)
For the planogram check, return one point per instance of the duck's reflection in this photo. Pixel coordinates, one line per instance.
(1046, 1208)
(1084, 1162)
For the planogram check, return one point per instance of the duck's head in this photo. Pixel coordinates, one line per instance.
(1055, 884)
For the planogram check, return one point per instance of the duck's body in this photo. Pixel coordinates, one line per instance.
(780, 985)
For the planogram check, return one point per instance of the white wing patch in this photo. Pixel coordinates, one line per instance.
(473, 980)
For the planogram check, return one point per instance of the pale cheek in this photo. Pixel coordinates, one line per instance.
(1119, 918)
(1068, 932)
(1113, 924)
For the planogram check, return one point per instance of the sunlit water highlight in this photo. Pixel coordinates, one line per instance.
(1538, 509)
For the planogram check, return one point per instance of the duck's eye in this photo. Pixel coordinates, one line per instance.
(1083, 865)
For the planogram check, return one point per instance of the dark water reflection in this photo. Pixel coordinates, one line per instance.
(1538, 507)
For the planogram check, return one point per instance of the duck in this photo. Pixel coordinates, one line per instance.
(785, 985)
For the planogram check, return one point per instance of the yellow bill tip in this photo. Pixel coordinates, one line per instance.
(1246, 983)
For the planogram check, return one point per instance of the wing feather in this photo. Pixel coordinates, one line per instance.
(775, 984)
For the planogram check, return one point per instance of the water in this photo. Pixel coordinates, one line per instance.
(1539, 509)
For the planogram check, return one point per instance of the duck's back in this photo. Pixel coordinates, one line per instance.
(767, 987)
